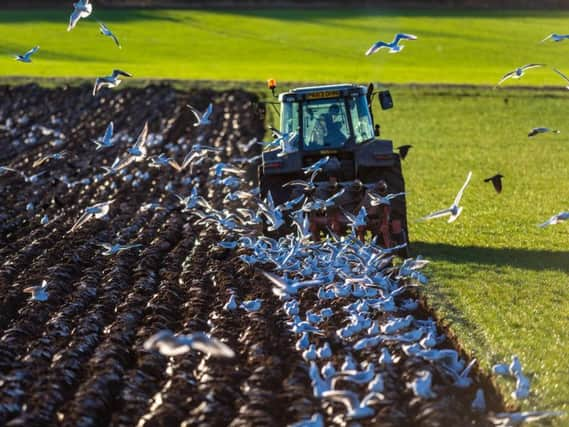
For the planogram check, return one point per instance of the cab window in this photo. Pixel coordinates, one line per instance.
(289, 117)
(325, 124)
(361, 120)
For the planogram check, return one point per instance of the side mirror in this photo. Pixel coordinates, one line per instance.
(385, 100)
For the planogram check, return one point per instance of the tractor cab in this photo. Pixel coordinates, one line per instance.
(327, 117)
(334, 124)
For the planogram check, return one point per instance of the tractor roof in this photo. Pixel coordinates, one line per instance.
(341, 89)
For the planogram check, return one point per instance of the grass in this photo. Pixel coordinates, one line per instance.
(497, 279)
(290, 45)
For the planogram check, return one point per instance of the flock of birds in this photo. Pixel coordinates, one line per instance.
(455, 210)
(360, 276)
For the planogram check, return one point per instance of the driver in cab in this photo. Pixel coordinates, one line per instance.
(327, 130)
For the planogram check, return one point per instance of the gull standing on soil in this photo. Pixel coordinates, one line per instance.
(231, 304)
(116, 248)
(203, 118)
(555, 219)
(479, 402)
(107, 32)
(96, 211)
(39, 293)
(27, 57)
(394, 46)
(81, 9)
(421, 386)
(317, 420)
(454, 210)
(251, 306)
(517, 73)
(107, 140)
(170, 344)
(356, 409)
(109, 81)
(537, 131)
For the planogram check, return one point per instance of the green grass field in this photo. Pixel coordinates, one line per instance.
(453, 47)
(498, 280)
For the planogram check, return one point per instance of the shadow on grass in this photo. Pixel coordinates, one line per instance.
(315, 14)
(530, 259)
(61, 15)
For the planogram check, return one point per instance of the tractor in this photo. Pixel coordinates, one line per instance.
(334, 124)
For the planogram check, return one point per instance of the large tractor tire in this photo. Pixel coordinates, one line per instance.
(392, 175)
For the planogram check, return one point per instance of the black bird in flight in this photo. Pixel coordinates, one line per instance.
(496, 182)
(403, 150)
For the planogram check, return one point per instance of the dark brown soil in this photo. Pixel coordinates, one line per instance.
(77, 359)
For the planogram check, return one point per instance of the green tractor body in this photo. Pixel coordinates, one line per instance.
(336, 121)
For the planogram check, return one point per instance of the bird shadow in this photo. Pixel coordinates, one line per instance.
(529, 259)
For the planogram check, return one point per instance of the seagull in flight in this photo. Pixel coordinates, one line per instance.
(284, 286)
(32, 179)
(96, 211)
(170, 344)
(6, 170)
(555, 219)
(203, 118)
(454, 210)
(159, 161)
(518, 73)
(563, 76)
(556, 37)
(316, 166)
(394, 46)
(377, 199)
(138, 150)
(53, 156)
(107, 140)
(115, 167)
(107, 32)
(27, 57)
(81, 9)
(537, 131)
(109, 81)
